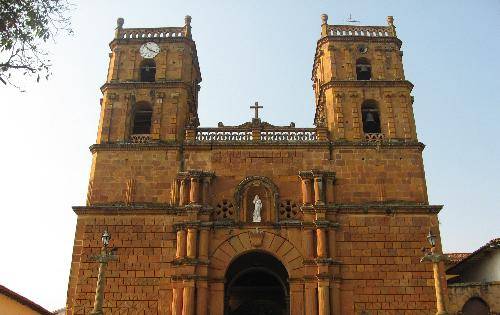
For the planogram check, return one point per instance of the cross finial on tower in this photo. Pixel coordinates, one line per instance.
(256, 107)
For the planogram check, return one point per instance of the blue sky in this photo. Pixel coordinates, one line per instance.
(248, 51)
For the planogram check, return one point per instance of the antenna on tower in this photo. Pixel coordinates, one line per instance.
(351, 20)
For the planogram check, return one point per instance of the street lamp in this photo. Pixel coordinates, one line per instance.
(105, 238)
(103, 258)
(432, 239)
(435, 258)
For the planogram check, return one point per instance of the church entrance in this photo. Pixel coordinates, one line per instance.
(256, 284)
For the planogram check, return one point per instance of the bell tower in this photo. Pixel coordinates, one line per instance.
(359, 84)
(151, 90)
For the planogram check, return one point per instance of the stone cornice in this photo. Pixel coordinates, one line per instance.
(367, 83)
(357, 38)
(128, 85)
(157, 146)
(384, 208)
(107, 209)
(140, 40)
(153, 146)
(389, 208)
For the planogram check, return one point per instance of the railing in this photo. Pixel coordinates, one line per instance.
(354, 30)
(235, 134)
(223, 134)
(140, 138)
(161, 32)
(288, 134)
(374, 137)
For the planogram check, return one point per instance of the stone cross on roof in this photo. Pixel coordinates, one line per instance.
(256, 107)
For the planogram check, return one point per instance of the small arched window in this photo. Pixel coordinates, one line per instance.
(142, 118)
(148, 70)
(371, 117)
(475, 306)
(363, 69)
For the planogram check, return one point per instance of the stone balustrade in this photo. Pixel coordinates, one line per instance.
(270, 134)
(222, 135)
(356, 30)
(374, 137)
(140, 138)
(287, 134)
(143, 33)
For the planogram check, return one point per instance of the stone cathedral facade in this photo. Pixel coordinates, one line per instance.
(342, 210)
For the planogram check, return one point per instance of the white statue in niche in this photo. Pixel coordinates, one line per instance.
(258, 207)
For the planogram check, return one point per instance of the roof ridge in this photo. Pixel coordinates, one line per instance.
(23, 300)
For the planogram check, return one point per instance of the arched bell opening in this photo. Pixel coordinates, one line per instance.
(363, 69)
(256, 283)
(148, 70)
(143, 113)
(371, 117)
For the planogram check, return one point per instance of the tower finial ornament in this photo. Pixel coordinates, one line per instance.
(119, 22)
(119, 26)
(324, 18)
(187, 26)
(390, 22)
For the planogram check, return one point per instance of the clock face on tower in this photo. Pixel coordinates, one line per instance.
(149, 50)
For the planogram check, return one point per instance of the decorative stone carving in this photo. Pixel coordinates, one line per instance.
(256, 237)
(320, 116)
(224, 210)
(289, 210)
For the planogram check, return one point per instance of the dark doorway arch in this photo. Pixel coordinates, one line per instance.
(256, 284)
(475, 306)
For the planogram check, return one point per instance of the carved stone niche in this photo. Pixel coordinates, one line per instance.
(245, 193)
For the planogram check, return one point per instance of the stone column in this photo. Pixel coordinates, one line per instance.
(202, 297)
(116, 64)
(306, 191)
(297, 297)
(308, 243)
(323, 297)
(318, 190)
(194, 192)
(191, 242)
(188, 307)
(321, 243)
(203, 244)
(311, 299)
(177, 301)
(330, 190)
(206, 191)
(335, 297)
(181, 244)
(332, 243)
(217, 298)
(183, 192)
(339, 115)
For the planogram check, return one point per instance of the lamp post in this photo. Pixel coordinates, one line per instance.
(436, 257)
(103, 258)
